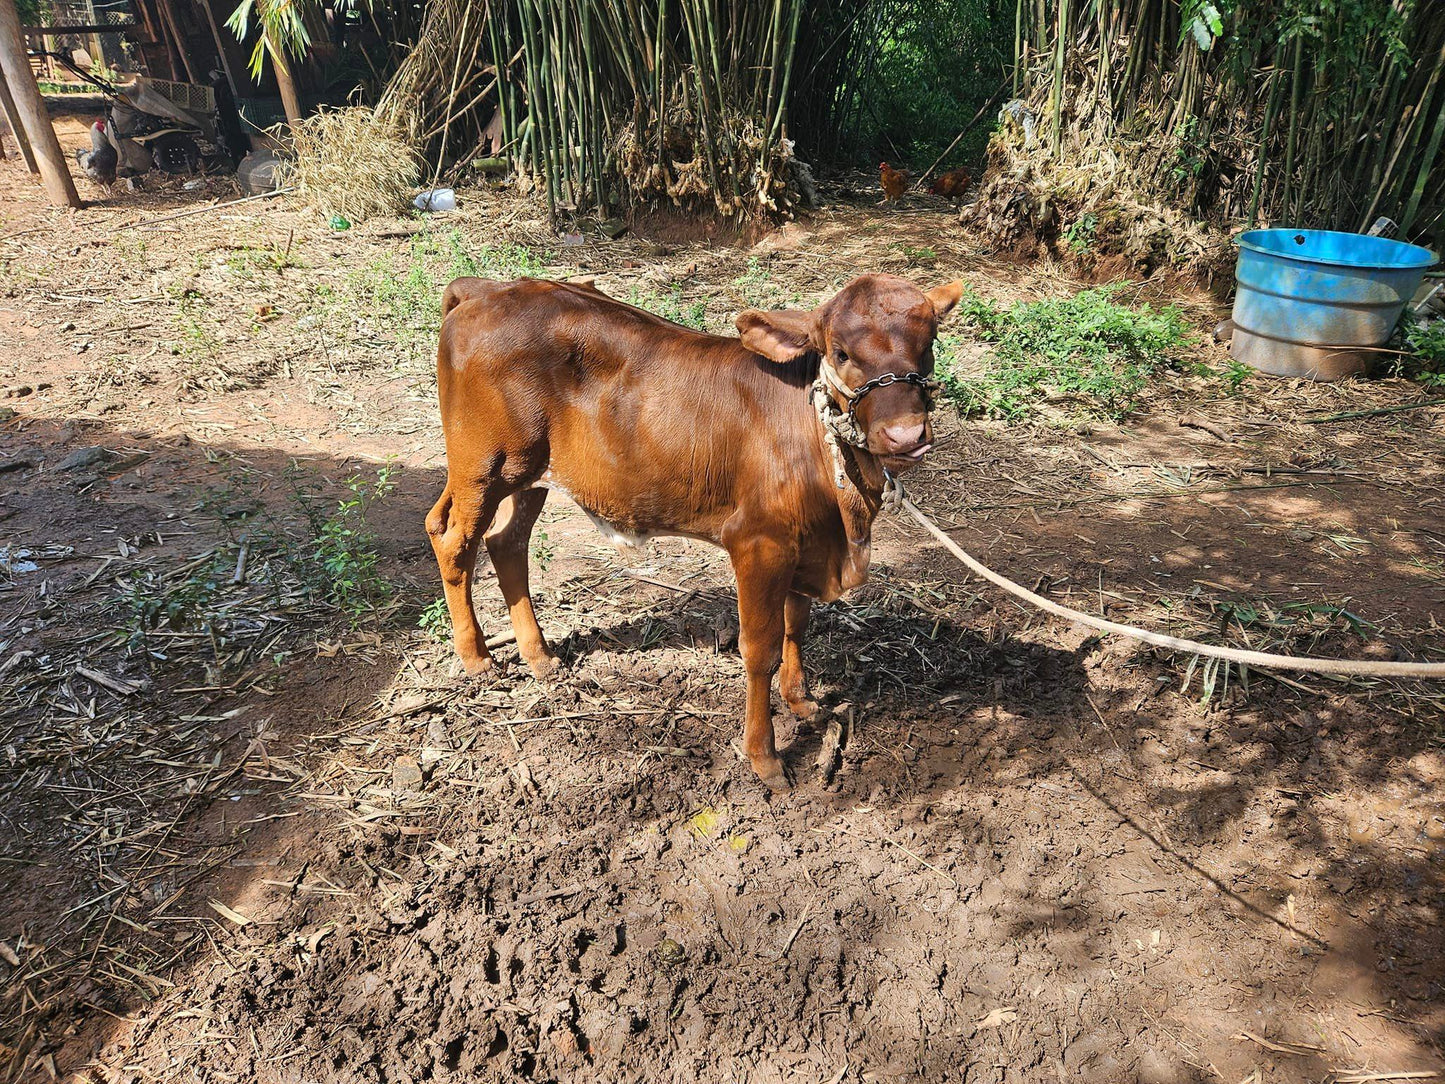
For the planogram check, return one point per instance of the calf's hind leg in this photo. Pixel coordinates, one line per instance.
(455, 525)
(507, 543)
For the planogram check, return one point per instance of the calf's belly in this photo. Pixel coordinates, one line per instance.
(630, 516)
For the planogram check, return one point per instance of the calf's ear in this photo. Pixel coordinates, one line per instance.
(779, 335)
(945, 297)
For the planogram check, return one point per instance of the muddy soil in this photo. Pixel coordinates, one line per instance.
(257, 830)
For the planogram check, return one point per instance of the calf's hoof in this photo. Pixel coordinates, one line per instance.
(476, 665)
(545, 666)
(802, 707)
(774, 773)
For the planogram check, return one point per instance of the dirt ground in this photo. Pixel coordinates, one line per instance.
(252, 830)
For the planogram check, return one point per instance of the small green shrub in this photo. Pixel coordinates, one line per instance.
(184, 603)
(925, 255)
(1080, 235)
(542, 550)
(245, 260)
(1427, 343)
(1088, 347)
(197, 327)
(672, 308)
(340, 563)
(758, 288)
(403, 303)
(490, 261)
(1235, 374)
(946, 369)
(436, 620)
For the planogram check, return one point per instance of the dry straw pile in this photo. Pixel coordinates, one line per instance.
(351, 162)
(1094, 201)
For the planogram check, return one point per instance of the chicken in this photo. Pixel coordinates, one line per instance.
(100, 161)
(951, 185)
(894, 182)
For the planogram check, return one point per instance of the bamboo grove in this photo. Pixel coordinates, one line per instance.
(1319, 112)
(610, 102)
(1309, 112)
(693, 103)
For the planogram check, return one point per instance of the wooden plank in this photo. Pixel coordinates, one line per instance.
(83, 28)
(15, 65)
(220, 40)
(17, 130)
(183, 46)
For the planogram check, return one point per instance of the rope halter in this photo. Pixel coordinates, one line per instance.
(841, 426)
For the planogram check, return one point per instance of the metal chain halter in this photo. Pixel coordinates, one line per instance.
(841, 427)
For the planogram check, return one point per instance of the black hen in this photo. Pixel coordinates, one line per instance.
(100, 161)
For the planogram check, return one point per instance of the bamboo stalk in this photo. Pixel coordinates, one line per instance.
(1057, 102)
(509, 127)
(782, 106)
(1271, 106)
(1431, 156)
(1296, 80)
(659, 94)
(1405, 140)
(1383, 121)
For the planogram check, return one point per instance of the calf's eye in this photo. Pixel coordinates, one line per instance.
(842, 356)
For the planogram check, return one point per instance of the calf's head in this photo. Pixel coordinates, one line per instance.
(875, 327)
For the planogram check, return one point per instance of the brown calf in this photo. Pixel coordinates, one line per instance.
(776, 446)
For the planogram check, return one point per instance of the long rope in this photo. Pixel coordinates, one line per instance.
(1352, 667)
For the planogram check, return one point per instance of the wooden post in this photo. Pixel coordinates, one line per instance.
(284, 83)
(220, 48)
(168, 13)
(12, 118)
(15, 66)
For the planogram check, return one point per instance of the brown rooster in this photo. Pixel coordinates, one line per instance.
(951, 185)
(894, 182)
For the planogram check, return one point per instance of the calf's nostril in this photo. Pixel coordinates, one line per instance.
(904, 437)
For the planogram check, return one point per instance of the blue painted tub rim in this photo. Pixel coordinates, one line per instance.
(1422, 258)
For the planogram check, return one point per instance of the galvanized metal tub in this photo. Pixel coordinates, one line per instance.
(1313, 303)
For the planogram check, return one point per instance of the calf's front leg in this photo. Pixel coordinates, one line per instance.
(763, 569)
(792, 682)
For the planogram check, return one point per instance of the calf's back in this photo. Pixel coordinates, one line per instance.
(652, 427)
